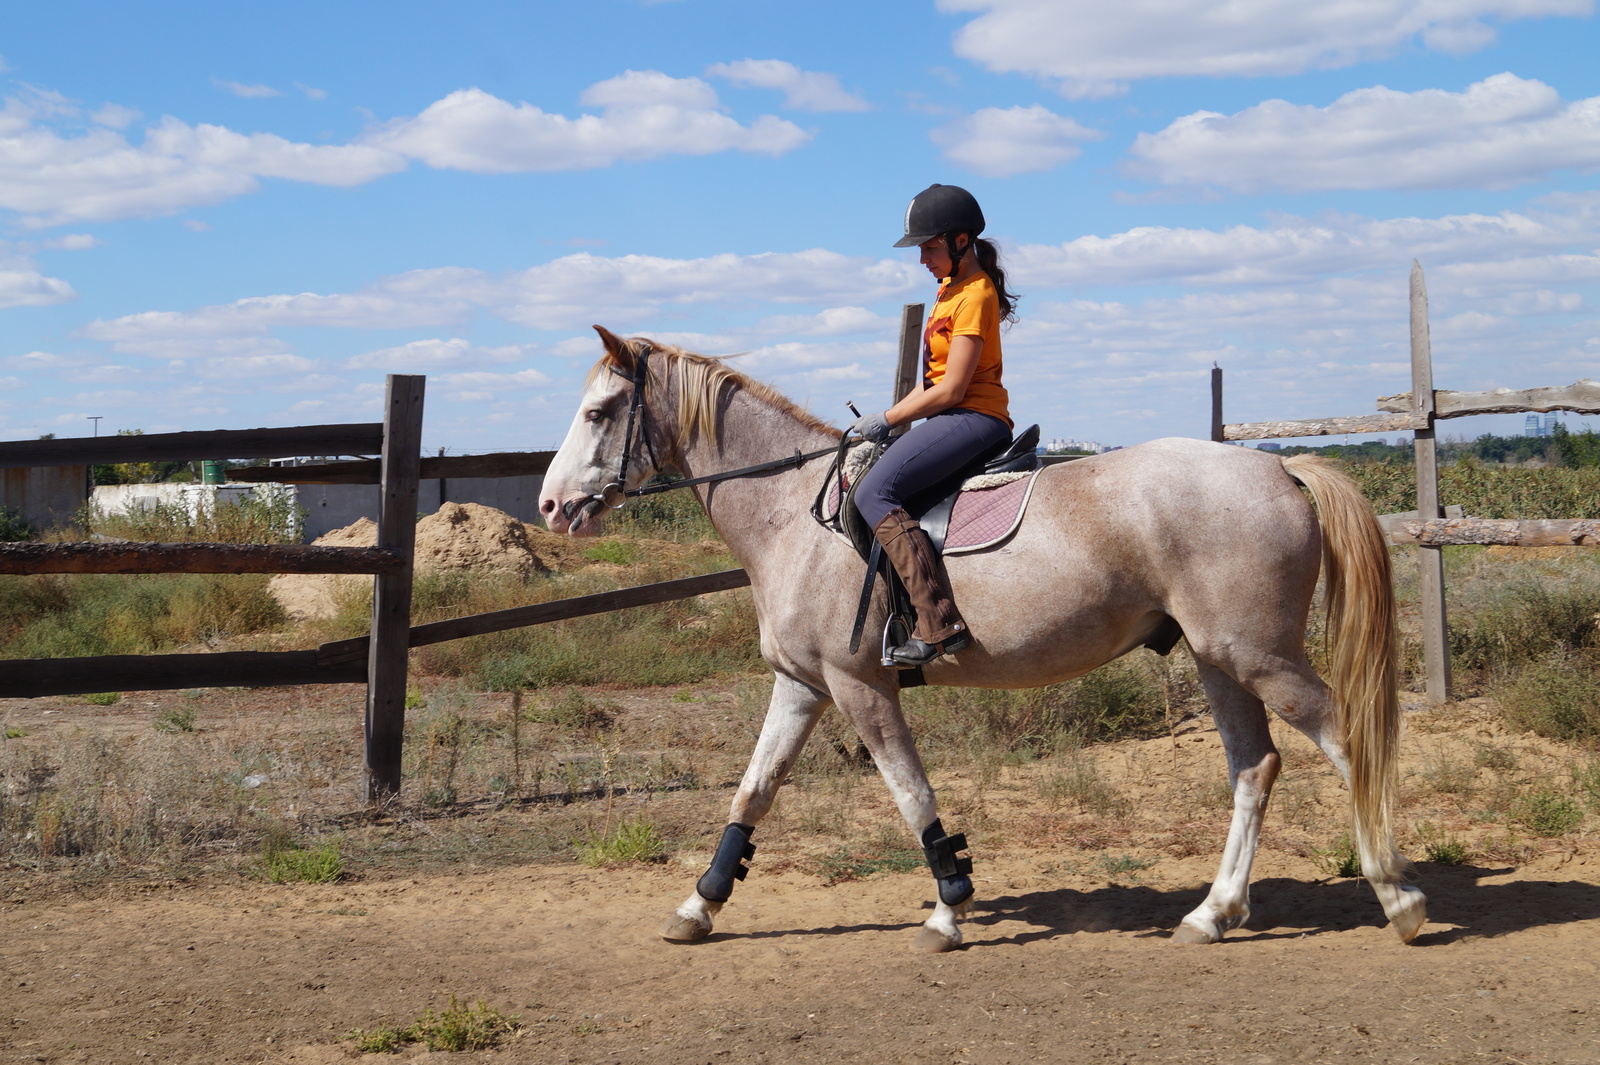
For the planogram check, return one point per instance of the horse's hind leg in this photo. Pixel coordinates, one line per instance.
(1241, 719)
(1295, 692)
(791, 715)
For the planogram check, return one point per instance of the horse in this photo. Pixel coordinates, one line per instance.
(1219, 540)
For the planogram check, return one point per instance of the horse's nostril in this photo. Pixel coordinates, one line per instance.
(548, 506)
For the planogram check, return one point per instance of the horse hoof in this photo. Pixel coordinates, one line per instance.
(933, 941)
(1191, 935)
(681, 929)
(1410, 918)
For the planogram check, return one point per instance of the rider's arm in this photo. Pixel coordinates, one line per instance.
(959, 367)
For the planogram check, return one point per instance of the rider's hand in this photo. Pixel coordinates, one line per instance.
(873, 427)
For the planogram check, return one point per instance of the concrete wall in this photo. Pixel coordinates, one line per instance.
(333, 506)
(46, 496)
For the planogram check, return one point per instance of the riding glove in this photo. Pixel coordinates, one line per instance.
(873, 427)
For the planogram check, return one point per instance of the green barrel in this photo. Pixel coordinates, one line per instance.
(213, 471)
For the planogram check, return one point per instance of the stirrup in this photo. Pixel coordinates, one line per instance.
(915, 652)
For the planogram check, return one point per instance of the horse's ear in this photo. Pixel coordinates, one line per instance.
(617, 353)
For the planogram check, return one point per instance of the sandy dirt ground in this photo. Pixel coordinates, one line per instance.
(801, 972)
(1061, 963)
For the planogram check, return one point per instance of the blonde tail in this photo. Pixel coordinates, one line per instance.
(1361, 634)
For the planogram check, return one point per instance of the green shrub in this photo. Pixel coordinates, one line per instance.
(617, 552)
(288, 863)
(72, 615)
(1557, 697)
(176, 719)
(266, 518)
(1342, 859)
(631, 841)
(1445, 852)
(13, 528)
(103, 698)
(1586, 778)
(453, 1029)
(1546, 812)
(1525, 621)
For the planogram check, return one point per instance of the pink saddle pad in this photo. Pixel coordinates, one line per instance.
(984, 517)
(980, 519)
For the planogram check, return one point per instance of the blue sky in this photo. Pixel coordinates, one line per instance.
(239, 215)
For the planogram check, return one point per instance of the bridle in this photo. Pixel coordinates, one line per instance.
(617, 490)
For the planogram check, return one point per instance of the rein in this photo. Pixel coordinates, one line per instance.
(615, 490)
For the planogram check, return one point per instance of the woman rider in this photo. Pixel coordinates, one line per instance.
(963, 405)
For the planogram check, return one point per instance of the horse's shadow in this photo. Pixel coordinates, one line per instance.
(1459, 908)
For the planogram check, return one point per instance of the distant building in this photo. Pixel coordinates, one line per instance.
(1268, 447)
(1058, 444)
(1531, 426)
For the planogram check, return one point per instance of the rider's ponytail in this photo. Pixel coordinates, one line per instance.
(989, 260)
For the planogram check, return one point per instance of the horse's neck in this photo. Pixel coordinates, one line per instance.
(750, 511)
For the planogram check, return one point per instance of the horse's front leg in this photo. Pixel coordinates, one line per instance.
(793, 712)
(877, 719)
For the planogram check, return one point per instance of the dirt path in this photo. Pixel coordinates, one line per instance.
(1057, 968)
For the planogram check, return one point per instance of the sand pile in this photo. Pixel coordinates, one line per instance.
(459, 536)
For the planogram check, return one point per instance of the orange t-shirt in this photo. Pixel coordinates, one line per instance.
(970, 308)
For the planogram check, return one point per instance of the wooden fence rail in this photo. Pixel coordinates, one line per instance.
(354, 439)
(136, 557)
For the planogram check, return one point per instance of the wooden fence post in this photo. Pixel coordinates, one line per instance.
(1430, 560)
(910, 362)
(1216, 403)
(391, 594)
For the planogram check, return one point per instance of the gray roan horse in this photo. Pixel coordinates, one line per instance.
(1219, 539)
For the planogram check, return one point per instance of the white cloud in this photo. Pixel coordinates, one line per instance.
(115, 116)
(72, 242)
(249, 92)
(834, 321)
(433, 356)
(51, 177)
(312, 92)
(55, 172)
(999, 142)
(645, 114)
(1292, 250)
(22, 285)
(1499, 132)
(567, 293)
(1092, 48)
(804, 90)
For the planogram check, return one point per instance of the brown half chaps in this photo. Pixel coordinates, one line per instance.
(912, 557)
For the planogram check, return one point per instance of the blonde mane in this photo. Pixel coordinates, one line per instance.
(700, 381)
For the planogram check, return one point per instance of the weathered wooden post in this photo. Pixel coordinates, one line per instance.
(1430, 560)
(387, 655)
(910, 363)
(1216, 403)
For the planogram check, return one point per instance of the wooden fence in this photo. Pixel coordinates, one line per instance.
(1431, 529)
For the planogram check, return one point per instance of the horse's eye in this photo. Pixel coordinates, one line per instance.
(593, 415)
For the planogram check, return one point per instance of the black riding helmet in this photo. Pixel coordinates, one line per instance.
(941, 210)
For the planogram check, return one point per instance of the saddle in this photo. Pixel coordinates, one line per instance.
(934, 508)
